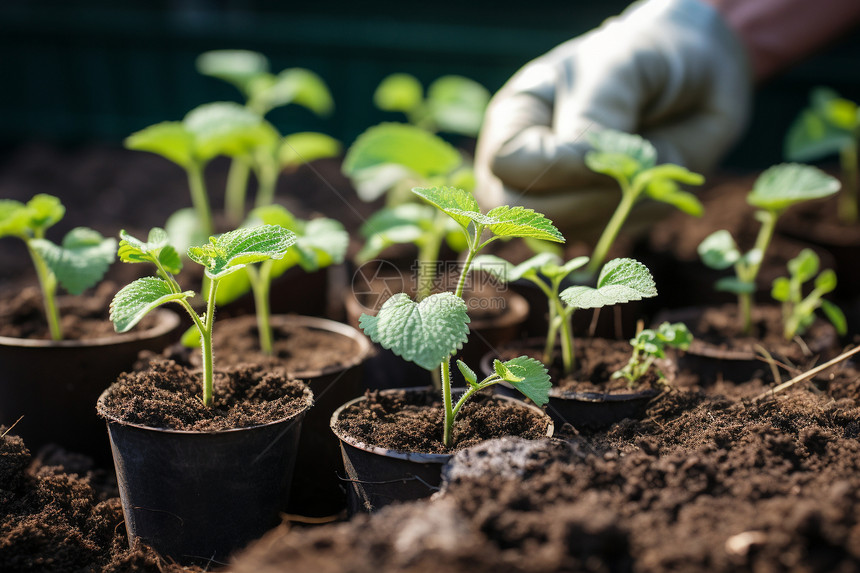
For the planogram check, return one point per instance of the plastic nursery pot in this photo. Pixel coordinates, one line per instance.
(54, 385)
(591, 410)
(196, 496)
(294, 291)
(379, 476)
(711, 362)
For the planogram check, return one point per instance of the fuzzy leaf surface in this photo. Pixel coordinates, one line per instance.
(530, 377)
(620, 280)
(522, 222)
(231, 251)
(781, 186)
(157, 247)
(135, 300)
(81, 261)
(458, 204)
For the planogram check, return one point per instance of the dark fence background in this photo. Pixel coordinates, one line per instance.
(97, 70)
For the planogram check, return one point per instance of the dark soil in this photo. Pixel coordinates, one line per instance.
(85, 317)
(414, 421)
(166, 395)
(58, 515)
(819, 222)
(296, 349)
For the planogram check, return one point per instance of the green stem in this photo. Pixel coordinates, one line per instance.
(461, 282)
(765, 234)
(613, 227)
(848, 209)
(237, 189)
(427, 256)
(566, 341)
(446, 400)
(48, 284)
(554, 324)
(206, 345)
(200, 197)
(260, 284)
(267, 177)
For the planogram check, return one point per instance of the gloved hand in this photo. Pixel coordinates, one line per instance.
(670, 70)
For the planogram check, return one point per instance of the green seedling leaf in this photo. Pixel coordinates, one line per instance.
(169, 139)
(227, 128)
(835, 315)
(14, 218)
(826, 281)
(191, 337)
(468, 374)
(156, 248)
(185, 229)
(734, 285)
(45, 211)
(231, 251)
(426, 333)
(620, 280)
(319, 242)
(504, 373)
(293, 85)
(399, 92)
(804, 266)
(136, 300)
(825, 128)
(508, 273)
(300, 148)
(238, 67)
(620, 155)
(456, 104)
(719, 251)
(81, 261)
(527, 375)
(781, 289)
(458, 204)
(522, 222)
(781, 186)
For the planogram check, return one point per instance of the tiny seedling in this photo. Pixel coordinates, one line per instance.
(430, 331)
(830, 125)
(798, 311)
(650, 345)
(775, 190)
(632, 162)
(454, 104)
(221, 257)
(319, 243)
(620, 280)
(263, 91)
(79, 262)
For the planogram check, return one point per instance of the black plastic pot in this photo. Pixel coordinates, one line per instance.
(379, 476)
(54, 385)
(196, 496)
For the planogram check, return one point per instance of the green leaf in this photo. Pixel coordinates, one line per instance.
(812, 137)
(781, 289)
(14, 219)
(458, 204)
(300, 148)
(135, 300)
(804, 266)
(468, 374)
(504, 373)
(456, 104)
(616, 165)
(238, 67)
(81, 261)
(403, 215)
(169, 139)
(532, 378)
(620, 280)
(619, 154)
(45, 211)
(231, 287)
(522, 222)
(719, 251)
(191, 337)
(398, 92)
(409, 147)
(156, 248)
(783, 185)
(508, 273)
(426, 333)
(826, 281)
(292, 85)
(835, 316)
(734, 285)
(675, 334)
(667, 191)
(227, 128)
(185, 229)
(231, 251)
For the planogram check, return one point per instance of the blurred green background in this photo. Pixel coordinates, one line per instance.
(97, 70)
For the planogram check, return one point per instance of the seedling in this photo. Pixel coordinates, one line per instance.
(77, 264)
(775, 190)
(221, 257)
(454, 104)
(829, 125)
(650, 345)
(429, 332)
(798, 312)
(620, 280)
(263, 91)
(318, 243)
(632, 162)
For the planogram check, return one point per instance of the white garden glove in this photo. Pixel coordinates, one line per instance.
(669, 70)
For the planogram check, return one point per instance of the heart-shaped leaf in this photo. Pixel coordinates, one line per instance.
(781, 186)
(81, 261)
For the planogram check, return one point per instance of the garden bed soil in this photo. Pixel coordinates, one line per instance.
(414, 421)
(167, 395)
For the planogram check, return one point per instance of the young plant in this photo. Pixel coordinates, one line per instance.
(318, 243)
(650, 345)
(775, 190)
(221, 257)
(620, 280)
(829, 125)
(454, 104)
(429, 332)
(632, 162)
(263, 91)
(78, 263)
(798, 312)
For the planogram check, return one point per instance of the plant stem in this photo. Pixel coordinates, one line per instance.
(200, 197)
(566, 341)
(237, 188)
(447, 434)
(206, 345)
(848, 209)
(260, 284)
(628, 199)
(765, 234)
(267, 179)
(554, 324)
(427, 255)
(48, 284)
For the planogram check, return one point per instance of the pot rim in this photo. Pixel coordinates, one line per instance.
(307, 396)
(414, 456)
(167, 321)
